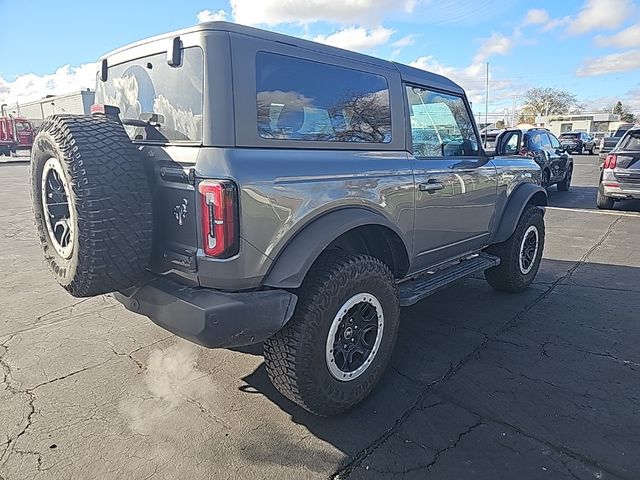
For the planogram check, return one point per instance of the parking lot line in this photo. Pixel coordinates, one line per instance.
(599, 212)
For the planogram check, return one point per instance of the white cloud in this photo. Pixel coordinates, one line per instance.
(209, 16)
(473, 79)
(536, 16)
(556, 22)
(629, 37)
(613, 63)
(496, 44)
(406, 41)
(597, 14)
(356, 38)
(66, 79)
(274, 12)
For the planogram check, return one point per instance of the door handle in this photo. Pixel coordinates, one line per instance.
(431, 185)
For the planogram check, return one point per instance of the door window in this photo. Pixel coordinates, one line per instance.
(440, 124)
(546, 143)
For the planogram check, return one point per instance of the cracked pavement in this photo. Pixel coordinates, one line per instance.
(482, 385)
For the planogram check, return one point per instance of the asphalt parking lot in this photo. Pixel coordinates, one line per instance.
(482, 385)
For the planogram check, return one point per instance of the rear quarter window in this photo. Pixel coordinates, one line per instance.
(306, 100)
(631, 142)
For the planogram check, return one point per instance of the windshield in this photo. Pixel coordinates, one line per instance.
(631, 141)
(150, 86)
(23, 127)
(621, 131)
(570, 135)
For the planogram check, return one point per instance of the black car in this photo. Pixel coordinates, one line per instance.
(545, 148)
(578, 142)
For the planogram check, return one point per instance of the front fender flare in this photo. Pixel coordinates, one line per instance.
(518, 200)
(294, 261)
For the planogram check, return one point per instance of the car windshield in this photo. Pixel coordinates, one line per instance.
(620, 132)
(23, 127)
(150, 88)
(631, 141)
(570, 135)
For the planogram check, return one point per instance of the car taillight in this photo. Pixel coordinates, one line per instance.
(219, 201)
(611, 161)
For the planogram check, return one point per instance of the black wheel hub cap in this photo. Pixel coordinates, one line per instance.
(355, 337)
(529, 250)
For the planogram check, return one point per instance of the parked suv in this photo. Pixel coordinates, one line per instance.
(620, 173)
(608, 143)
(239, 186)
(578, 142)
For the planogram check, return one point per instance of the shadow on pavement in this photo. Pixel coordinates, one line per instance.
(548, 377)
(582, 197)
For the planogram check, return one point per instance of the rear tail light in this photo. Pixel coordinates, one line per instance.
(611, 161)
(219, 202)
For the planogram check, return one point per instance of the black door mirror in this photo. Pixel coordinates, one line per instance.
(509, 142)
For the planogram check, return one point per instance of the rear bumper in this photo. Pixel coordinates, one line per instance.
(622, 192)
(209, 317)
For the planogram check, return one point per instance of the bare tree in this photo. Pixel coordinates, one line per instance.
(548, 101)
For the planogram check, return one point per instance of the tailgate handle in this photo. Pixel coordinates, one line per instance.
(174, 175)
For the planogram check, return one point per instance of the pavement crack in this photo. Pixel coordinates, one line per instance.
(560, 450)
(359, 457)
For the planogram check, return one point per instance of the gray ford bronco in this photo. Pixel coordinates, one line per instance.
(238, 186)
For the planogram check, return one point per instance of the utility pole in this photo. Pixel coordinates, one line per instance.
(486, 107)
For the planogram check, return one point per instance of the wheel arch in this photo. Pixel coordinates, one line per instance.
(356, 230)
(525, 194)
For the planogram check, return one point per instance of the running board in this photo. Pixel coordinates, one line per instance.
(412, 291)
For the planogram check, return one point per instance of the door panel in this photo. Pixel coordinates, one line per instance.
(455, 185)
(458, 216)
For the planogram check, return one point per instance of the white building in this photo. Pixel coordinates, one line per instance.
(78, 103)
(596, 124)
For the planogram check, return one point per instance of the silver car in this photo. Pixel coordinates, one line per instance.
(620, 177)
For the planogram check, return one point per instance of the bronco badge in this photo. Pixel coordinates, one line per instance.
(180, 211)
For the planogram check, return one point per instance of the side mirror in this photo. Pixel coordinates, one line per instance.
(505, 144)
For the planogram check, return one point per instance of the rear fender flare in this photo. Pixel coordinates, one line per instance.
(523, 195)
(294, 261)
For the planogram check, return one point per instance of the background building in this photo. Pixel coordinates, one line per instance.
(75, 103)
(596, 124)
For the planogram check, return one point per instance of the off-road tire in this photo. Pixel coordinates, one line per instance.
(565, 184)
(507, 276)
(110, 197)
(295, 356)
(602, 201)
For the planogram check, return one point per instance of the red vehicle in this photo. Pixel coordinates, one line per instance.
(16, 133)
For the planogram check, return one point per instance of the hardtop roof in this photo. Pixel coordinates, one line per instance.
(407, 73)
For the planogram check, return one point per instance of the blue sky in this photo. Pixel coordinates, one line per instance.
(590, 47)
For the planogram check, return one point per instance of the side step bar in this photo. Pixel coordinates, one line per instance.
(412, 291)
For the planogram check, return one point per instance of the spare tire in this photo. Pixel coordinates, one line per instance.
(92, 204)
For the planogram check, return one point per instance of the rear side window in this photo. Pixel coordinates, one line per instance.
(535, 142)
(631, 141)
(305, 100)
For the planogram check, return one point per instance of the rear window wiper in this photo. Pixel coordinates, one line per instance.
(144, 120)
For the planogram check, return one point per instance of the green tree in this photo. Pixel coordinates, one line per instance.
(548, 101)
(625, 114)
